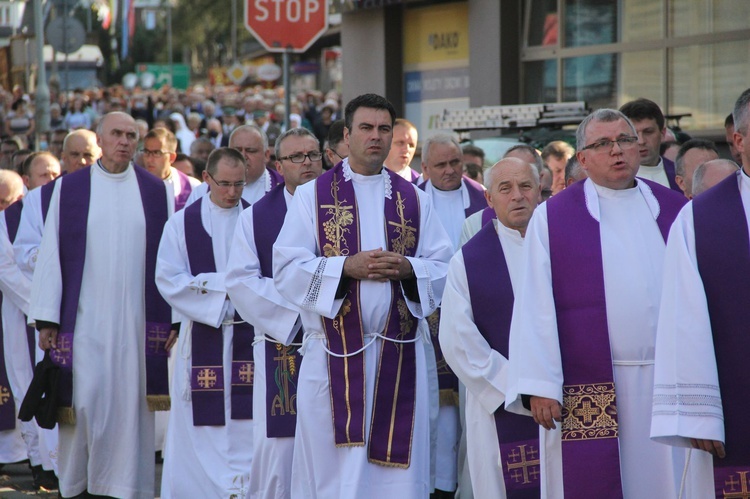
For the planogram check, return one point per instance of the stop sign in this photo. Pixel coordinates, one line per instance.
(282, 25)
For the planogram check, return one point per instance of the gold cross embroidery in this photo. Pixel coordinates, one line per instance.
(335, 227)
(406, 234)
(157, 337)
(4, 394)
(63, 348)
(587, 412)
(733, 493)
(520, 465)
(206, 378)
(247, 373)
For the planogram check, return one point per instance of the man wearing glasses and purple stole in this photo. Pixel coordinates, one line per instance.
(364, 257)
(584, 324)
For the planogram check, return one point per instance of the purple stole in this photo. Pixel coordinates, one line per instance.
(447, 380)
(47, 190)
(276, 178)
(491, 295)
(75, 195)
(185, 190)
(282, 362)
(207, 372)
(589, 427)
(720, 223)
(393, 409)
(669, 169)
(488, 214)
(414, 177)
(12, 220)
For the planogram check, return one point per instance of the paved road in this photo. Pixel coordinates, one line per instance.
(16, 483)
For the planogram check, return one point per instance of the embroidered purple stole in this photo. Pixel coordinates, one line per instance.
(491, 295)
(670, 170)
(75, 195)
(447, 380)
(488, 214)
(207, 372)
(589, 427)
(720, 224)
(12, 221)
(391, 428)
(282, 362)
(185, 190)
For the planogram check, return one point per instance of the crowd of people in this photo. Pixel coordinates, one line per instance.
(298, 313)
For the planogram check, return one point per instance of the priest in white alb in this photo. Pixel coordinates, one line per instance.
(483, 277)
(701, 382)
(209, 443)
(277, 324)
(364, 257)
(99, 313)
(584, 324)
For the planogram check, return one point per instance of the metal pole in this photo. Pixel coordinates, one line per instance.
(234, 31)
(287, 90)
(65, 37)
(41, 99)
(169, 42)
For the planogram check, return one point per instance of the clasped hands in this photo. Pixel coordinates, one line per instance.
(378, 265)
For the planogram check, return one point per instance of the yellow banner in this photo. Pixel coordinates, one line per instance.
(437, 33)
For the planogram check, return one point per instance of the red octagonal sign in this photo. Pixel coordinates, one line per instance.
(282, 25)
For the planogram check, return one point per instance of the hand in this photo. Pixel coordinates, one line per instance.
(546, 412)
(713, 447)
(377, 265)
(48, 338)
(172, 340)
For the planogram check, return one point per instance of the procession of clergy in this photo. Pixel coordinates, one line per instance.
(347, 334)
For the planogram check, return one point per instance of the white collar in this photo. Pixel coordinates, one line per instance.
(592, 198)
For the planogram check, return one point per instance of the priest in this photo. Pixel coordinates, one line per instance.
(276, 321)
(701, 383)
(502, 448)
(209, 443)
(159, 152)
(584, 323)
(364, 257)
(98, 311)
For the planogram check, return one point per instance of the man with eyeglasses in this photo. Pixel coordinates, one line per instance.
(335, 148)
(455, 198)
(209, 444)
(276, 321)
(584, 323)
(252, 143)
(650, 127)
(158, 153)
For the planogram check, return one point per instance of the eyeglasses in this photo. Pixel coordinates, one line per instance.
(300, 158)
(158, 152)
(337, 154)
(226, 185)
(607, 145)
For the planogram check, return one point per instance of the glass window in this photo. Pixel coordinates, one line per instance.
(591, 78)
(642, 74)
(541, 81)
(543, 23)
(697, 17)
(590, 22)
(642, 20)
(706, 80)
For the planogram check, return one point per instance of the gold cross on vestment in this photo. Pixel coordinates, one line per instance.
(206, 378)
(587, 412)
(63, 348)
(4, 394)
(157, 337)
(247, 373)
(522, 465)
(405, 239)
(733, 493)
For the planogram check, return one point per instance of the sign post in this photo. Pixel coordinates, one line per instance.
(286, 26)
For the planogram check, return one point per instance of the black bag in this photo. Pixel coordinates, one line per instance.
(40, 401)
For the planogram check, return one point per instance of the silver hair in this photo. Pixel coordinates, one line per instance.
(296, 132)
(600, 115)
(440, 138)
(489, 176)
(741, 113)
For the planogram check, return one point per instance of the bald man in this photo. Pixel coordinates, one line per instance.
(711, 173)
(79, 150)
